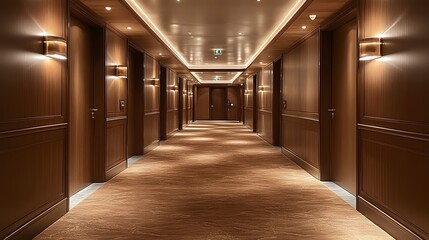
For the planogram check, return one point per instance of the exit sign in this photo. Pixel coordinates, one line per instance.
(217, 52)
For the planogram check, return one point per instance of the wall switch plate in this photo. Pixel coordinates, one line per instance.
(121, 105)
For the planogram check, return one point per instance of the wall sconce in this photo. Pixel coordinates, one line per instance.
(55, 47)
(121, 71)
(154, 81)
(370, 48)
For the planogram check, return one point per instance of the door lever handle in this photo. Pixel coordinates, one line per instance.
(212, 106)
(93, 110)
(332, 111)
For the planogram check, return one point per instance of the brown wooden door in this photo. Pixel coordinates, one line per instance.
(218, 104)
(343, 131)
(81, 106)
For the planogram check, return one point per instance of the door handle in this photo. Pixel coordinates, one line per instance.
(212, 106)
(284, 104)
(93, 110)
(332, 111)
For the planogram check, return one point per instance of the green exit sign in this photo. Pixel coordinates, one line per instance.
(217, 52)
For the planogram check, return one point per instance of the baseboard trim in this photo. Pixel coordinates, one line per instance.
(384, 221)
(35, 226)
(115, 170)
(303, 164)
(151, 147)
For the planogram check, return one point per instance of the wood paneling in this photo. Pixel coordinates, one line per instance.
(172, 102)
(116, 142)
(33, 117)
(248, 102)
(116, 91)
(24, 69)
(393, 134)
(202, 103)
(151, 130)
(300, 116)
(152, 103)
(116, 88)
(33, 167)
(265, 104)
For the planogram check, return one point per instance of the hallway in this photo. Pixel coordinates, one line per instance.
(214, 180)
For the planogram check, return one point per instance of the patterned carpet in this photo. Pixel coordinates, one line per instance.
(214, 180)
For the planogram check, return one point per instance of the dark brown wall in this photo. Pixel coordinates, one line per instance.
(300, 120)
(248, 103)
(190, 101)
(265, 104)
(116, 90)
(151, 103)
(393, 121)
(33, 117)
(172, 102)
(202, 103)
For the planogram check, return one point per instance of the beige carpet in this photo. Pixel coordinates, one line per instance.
(214, 180)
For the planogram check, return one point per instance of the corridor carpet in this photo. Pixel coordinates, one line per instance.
(214, 180)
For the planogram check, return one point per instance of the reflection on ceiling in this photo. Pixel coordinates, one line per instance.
(195, 30)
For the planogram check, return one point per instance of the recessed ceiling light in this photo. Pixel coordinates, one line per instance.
(108, 8)
(178, 0)
(258, 0)
(129, 28)
(261, 63)
(215, 57)
(189, 33)
(312, 16)
(304, 27)
(240, 33)
(160, 54)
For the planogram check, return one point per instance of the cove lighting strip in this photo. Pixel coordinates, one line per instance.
(195, 74)
(137, 9)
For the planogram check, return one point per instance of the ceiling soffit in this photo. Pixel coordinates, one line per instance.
(192, 29)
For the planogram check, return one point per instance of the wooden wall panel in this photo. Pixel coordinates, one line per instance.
(172, 102)
(248, 103)
(33, 168)
(34, 86)
(300, 118)
(116, 88)
(190, 101)
(152, 103)
(116, 142)
(265, 104)
(116, 91)
(33, 117)
(202, 104)
(393, 132)
(151, 130)
(302, 142)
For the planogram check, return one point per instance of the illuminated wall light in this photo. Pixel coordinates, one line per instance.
(129, 28)
(370, 48)
(55, 47)
(108, 8)
(312, 17)
(304, 27)
(121, 71)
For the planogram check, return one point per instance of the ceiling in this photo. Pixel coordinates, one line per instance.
(183, 34)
